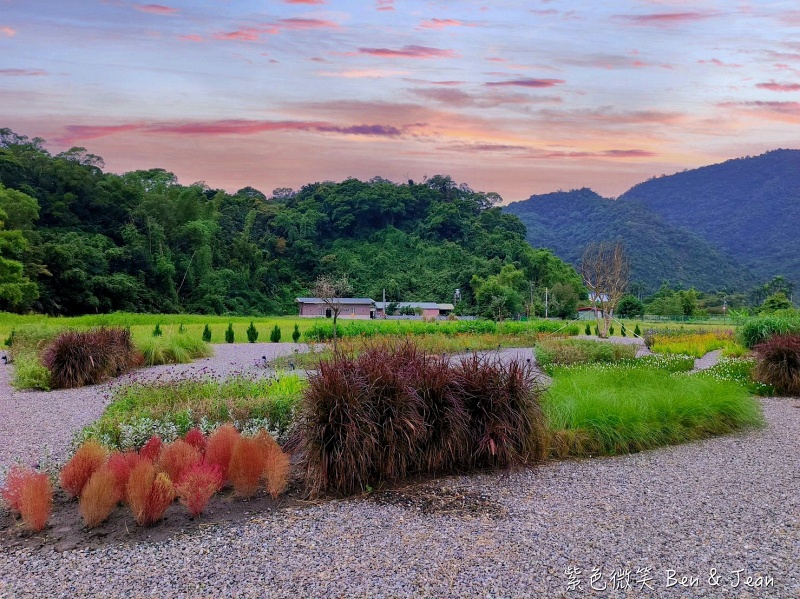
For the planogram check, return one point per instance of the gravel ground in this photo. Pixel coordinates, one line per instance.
(31, 420)
(728, 504)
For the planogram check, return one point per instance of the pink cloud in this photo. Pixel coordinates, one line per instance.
(156, 9)
(241, 35)
(8, 31)
(440, 23)
(384, 4)
(537, 83)
(718, 63)
(544, 12)
(779, 87)
(296, 24)
(304, 1)
(421, 52)
(666, 19)
(635, 153)
(22, 72)
(445, 95)
(190, 38)
(253, 34)
(777, 111)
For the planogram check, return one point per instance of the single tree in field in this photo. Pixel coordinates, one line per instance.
(605, 270)
(331, 290)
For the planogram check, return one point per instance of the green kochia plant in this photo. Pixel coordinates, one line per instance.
(296, 334)
(252, 333)
(207, 334)
(229, 338)
(275, 335)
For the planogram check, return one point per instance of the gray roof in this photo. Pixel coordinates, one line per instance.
(343, 301)
(420, 305)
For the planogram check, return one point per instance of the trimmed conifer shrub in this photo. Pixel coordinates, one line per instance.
(252, 333)
(157, 331)
(275, 334)
(207, 334)
(296, 333)
(587, 330)
(229, 337)
(622, 330)
(637, 331)
(610, 330)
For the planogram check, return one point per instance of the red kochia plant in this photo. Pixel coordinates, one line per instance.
(276, 470)
(152, 448)
(176, 458)
(29, 494)
(121, 465)
(99, 497)
(196, 439)
(779, 363)
(78, 358)
(77, 471)
(247, 466)
(198, 485)
(149, 493)
(219, 447)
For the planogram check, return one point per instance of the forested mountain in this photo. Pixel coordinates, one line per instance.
(74, 239)
(567, 222)
(729, 225)
(749, 208)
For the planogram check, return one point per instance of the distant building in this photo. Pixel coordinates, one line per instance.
(357, 308)
(426, 309)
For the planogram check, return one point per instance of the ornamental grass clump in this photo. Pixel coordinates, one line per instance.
(178, 457)
(779, 363)
(150, 493)
(121, 464)
(393, 410)
(198, 485)
(196, 439)
(248, 460)
(29, 494)
(219, 447)
(152, 448)
(99, 497)
(79, 469)
(78, 358)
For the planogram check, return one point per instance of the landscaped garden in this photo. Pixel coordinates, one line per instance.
(379, 409)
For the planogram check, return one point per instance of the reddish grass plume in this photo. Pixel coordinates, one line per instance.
(29, 494)
(198, 485)
(219, 447)
(247, 466)
(77, 471)
(15, 480)
(152, 448)
(99, 497)
(121, 464)
(779, 363)
(176, 458)
(276, 470)
(196, 439)
(149, 493)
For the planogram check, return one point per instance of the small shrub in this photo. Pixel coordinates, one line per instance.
(99, 497)
(15, 479)
(177, 457)
(149, 494)
(152, 448)
(622, 330)
(252, 333)
(36, 500)
(596, 331)
(229, 337)
(779, 363)
(637, 332)
(587, 330)
(275, 334)
(247, 464)
(196, 439)
(207, 334)
(79, 469)
(296, 333)
(121, 464)
(157, 331)
(181, 329)
(276, 470)
(29, 373)
(198, 485)
(610, 330)
(219, 447)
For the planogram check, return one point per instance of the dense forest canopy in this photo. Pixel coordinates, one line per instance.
(74, 239)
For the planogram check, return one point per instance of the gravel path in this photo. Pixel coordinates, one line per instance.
(731, 503)
(707, 361)
(31, 420)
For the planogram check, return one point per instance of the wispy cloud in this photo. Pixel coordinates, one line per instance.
(440, 23)
(775, 111)
(718, 63)
(779, 87)
(384, 4)
(254, 33)
(190, 38)
(22, 72)
(633, 153)
(363, 73)
(8, 31)
(535, 83)
(156, 9)
(304, 1)
(668, 19)
(295, 24)
(421, 52)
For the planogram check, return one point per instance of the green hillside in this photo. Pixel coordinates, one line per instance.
(566, 222)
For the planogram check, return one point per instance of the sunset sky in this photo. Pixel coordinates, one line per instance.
(512, 97)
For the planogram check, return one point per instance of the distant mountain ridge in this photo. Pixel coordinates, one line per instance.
(728, 225)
